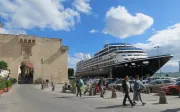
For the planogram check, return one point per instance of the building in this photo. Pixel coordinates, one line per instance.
(31, 57)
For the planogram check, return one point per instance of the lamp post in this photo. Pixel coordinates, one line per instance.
(157, 47)
(42, 73)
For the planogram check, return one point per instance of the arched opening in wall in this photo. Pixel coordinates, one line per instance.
(26, 72)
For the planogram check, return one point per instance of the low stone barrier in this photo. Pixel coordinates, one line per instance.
(147, 90)
(91, 91)
(162, 98)
(53, 87)
(94, 91)
(113, 93)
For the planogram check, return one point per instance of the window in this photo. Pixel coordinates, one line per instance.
(166, 81)
(158, 82)
(119, 82)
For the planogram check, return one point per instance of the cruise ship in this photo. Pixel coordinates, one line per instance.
(116, 60)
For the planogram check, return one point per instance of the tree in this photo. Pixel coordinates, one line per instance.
(70, 72)
(3, 65)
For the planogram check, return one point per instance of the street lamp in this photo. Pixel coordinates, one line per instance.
(42, 71)
(157, 47)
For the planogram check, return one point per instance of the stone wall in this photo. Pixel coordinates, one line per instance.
(15, 49)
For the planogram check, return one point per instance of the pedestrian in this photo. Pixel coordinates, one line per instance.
(126, 89)
(101, 86)
(78, 85)
(138, 86)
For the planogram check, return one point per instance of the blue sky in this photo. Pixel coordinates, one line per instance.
(76, 18)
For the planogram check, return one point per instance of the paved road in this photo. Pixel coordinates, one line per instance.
(26, 98)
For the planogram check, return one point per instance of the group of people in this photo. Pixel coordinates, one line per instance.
(80, 83)
(138, 86)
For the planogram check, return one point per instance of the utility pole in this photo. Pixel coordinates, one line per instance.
(42, 73)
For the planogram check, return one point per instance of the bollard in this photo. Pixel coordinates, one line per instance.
(148, 90)
(91, 91)
(53, 87)
(63, 90)
(179, 92)
(162, 98)
(94, 91)
(74, 90)
(42, 86)
(113, 93)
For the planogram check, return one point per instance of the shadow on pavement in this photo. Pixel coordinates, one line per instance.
(171, 110)
(114, 106)
(67, 92)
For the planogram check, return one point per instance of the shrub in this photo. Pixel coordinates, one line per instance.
(39, 81)
(5, 83)
(3, 65)
(14, 80)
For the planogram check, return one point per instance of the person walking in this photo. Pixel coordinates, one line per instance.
(101, 86)
(138, 86)
(78, 85)
(126, 89)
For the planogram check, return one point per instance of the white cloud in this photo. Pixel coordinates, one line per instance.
(93, 31)
(82, 55)
(120, 23)
(82, 6)
(169, 42)
(28, 14)
(11, 31)
(72, 60)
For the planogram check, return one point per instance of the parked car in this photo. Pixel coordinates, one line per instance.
(155, 85)
(115, 84)
(172, 89)
(109, 81)
(178, 80)
(118, 84)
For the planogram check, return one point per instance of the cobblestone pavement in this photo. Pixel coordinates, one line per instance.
(29, 98)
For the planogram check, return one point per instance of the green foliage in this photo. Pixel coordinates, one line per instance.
(3, 65)
(14, 80)
(5, 83)
(70, 72)
(39, 81)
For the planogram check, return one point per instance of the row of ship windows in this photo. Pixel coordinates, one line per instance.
(107, 62)
(97, 61)
(134, 55)
(100, 65)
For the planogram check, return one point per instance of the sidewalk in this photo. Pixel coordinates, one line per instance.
(152, 100)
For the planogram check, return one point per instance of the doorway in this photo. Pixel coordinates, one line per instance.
(26, 72)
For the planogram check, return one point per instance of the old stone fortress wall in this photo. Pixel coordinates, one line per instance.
(15, 49)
